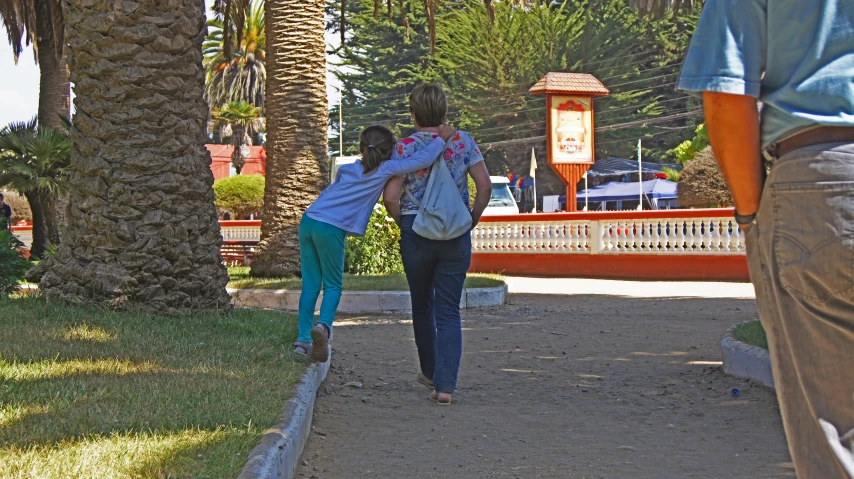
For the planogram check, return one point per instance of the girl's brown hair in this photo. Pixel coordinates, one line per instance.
(376, 144)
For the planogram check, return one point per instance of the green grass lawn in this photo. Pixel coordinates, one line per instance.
(751, 333)
(391, 282)
(88, 393)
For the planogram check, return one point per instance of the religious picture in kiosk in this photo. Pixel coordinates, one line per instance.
(572, 129)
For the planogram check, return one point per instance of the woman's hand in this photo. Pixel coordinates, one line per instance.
(446, 132)
(391, 197)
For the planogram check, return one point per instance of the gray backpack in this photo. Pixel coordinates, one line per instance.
(442, 215)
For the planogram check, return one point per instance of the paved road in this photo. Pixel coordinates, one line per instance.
(606, 382)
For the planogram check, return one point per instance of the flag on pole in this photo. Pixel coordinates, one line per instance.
(533, 170)
(533, 174)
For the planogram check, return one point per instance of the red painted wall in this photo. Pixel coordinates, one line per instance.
(619, 266)
(614, 266)
(256, 164)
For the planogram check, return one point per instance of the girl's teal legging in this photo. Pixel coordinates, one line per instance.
(321, 248)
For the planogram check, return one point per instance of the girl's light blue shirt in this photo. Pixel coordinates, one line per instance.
(348, 203)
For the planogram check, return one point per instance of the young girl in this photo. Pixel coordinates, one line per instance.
(341, 209)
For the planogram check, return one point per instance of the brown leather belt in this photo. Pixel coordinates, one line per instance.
(809, 137)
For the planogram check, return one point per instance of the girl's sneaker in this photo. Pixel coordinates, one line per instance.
(320, 348)
(302, 351)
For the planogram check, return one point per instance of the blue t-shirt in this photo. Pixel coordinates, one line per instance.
(804, 49)
(461, 154)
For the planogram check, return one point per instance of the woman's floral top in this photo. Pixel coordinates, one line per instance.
(462, 154)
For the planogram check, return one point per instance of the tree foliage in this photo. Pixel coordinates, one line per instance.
(702, 185)
(377, 252)
(13, 266)
(489, 57)
(242, 195)
(236, 71)
(686, 150)
(20, 18)
(36, 162)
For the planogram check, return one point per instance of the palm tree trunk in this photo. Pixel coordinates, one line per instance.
(431, 24)
(39, 228)
(51, 218)
(237, 134)
(297, 167)
(142, 226)
(490, 9)
(54, 87)
(54, 91)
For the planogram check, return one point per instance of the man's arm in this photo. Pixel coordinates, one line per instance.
(733, 125)
(480, 175)
(391, 197)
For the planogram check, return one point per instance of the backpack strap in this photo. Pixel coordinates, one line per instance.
(406, 188)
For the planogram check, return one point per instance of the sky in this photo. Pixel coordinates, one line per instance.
(19, 84)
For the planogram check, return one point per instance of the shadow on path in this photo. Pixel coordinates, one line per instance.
(551, 387)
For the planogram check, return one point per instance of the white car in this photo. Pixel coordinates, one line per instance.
(501, 202)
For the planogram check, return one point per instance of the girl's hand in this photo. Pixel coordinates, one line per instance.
(446, 132)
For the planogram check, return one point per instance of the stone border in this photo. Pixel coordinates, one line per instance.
(745, 361)
(360, 301)
(277, 453)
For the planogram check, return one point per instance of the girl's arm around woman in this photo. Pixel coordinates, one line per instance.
(421, 159)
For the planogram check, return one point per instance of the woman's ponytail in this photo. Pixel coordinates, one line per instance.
(376, 144)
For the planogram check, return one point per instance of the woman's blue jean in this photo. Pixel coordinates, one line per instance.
(436, 271)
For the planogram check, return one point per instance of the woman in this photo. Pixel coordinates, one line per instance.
(436, 270)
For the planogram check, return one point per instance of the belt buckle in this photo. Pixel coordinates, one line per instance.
(770, 152)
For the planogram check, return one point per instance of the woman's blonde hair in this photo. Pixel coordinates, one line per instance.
(429, 105)
(376, 144)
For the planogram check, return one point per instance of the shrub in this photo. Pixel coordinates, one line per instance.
(688, 149)
(12, 265)
(20, 207)
(377, 252)
(242, 195)
(702, 184)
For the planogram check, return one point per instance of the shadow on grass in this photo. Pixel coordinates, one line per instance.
(106, 394)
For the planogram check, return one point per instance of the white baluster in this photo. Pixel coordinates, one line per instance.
(513, 240)
(715, 237)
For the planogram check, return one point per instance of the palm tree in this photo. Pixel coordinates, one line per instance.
(142, 228)
(41, 23)
(240, 115)
(244, 75)
(35, 162)
(296, 129)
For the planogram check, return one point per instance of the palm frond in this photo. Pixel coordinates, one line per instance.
(19, 18)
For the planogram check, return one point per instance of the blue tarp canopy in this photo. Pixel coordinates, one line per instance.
(615, 191)
(619, 166)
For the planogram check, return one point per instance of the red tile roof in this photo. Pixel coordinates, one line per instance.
(556, 82)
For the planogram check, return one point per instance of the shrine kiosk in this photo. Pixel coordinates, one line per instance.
(569, 125)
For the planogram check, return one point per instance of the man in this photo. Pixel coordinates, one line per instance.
(797, 58)
(5, 214)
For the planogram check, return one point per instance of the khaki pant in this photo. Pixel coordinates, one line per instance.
(801, 255)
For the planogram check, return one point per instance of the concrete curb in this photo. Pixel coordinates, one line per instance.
(745, 361)
(360, 301)
(277, 453)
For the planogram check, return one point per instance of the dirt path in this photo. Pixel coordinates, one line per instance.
(551, 387)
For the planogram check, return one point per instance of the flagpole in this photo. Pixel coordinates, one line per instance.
(640, 178)
(533, 175)
(586, 193)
